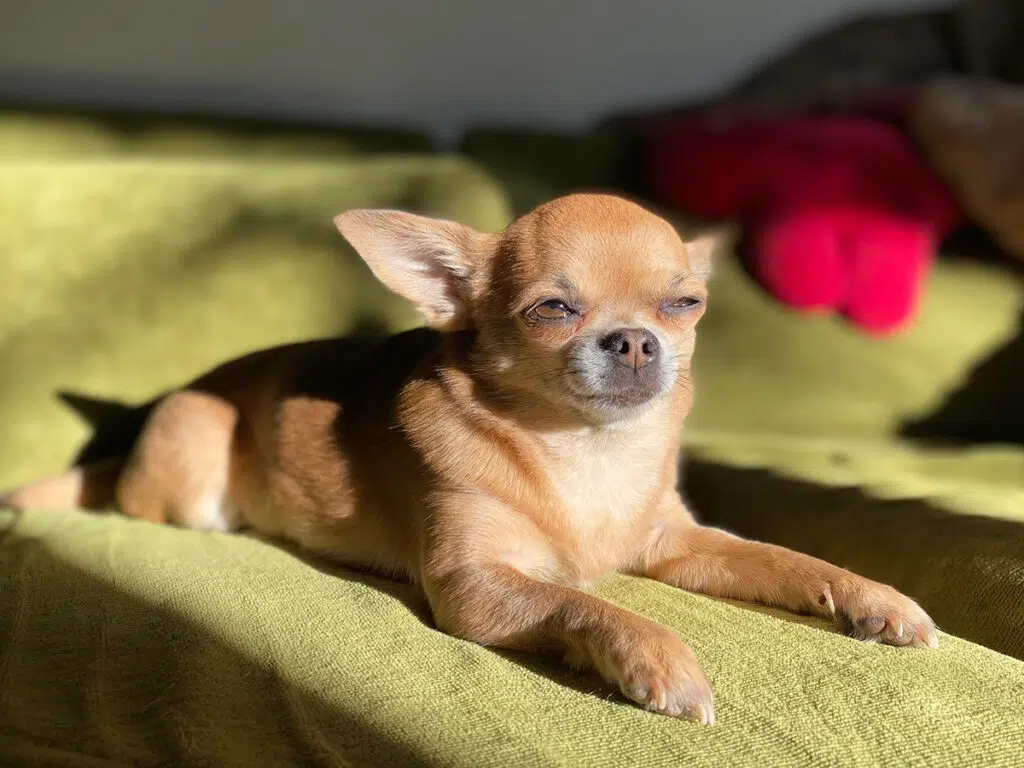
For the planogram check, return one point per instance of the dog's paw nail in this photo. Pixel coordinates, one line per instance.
(825, 600)
(704, 713)
(662, 675)
(878, 613)
(660, 699)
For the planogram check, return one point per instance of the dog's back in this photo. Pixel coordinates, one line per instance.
(307, 427)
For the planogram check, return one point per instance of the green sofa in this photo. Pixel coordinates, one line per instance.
(137, 254)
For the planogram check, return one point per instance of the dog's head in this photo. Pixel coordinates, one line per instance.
(588, 303)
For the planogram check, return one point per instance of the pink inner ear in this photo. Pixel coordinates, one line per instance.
(423, 260)
(439, 292)
(447, 307)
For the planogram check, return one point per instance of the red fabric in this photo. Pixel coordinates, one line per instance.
(841, 214)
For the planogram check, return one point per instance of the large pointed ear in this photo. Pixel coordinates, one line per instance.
(427, 261)
(705, 247)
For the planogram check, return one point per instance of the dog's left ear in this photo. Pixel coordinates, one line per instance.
(703, 247)
(426, 261)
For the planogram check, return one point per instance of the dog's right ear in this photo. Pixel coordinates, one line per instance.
(427, 261)
(705, 248)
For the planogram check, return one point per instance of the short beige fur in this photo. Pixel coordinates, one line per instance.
(474, 458)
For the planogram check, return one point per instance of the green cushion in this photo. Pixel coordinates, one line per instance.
(818, 408)
(122, 278)
(42, 134)
(149, 645)
(127, 271)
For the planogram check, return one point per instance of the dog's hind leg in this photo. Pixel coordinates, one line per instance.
(179, 471)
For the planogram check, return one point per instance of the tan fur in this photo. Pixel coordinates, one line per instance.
(475, 463)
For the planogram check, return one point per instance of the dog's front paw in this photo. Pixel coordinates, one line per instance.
(867, 610)
(657, 670)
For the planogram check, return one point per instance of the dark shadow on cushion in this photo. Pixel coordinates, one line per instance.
(987, 408)
(161, 691)
(966, 570)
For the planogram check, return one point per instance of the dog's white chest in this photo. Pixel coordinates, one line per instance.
(603, 480)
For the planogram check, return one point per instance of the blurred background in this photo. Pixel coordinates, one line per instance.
(169, 171)
(442, 67)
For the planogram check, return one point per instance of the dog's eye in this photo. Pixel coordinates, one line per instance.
(684, 303)
(552, 309)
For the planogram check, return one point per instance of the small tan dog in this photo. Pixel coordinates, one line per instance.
(522, 447)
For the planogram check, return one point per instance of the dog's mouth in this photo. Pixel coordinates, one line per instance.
(628, 398)
(618, 399)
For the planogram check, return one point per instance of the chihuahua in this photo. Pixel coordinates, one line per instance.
(522, 446)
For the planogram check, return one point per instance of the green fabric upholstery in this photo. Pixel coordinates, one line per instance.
(129, 267)
(124, 277)
(820, 407)
(39, 134)
(135, 644)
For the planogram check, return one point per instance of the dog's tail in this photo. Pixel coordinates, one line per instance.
(91, 482)
(92, 486)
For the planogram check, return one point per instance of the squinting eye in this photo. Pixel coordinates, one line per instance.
(552, 309)
(687, 302)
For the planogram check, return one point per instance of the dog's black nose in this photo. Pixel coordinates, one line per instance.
(632, 347)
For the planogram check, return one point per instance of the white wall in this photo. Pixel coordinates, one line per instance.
(437, 64)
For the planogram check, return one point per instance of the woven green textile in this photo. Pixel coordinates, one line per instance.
(121, 278)
(820, 407)
(150, 645)
(127, 268)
